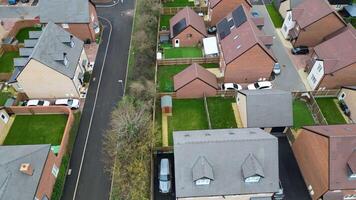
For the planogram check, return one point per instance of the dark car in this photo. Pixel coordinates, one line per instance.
(25, 1)
(212, 30)
(345, 108)
(301, 50)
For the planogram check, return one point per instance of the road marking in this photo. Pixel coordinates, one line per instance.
(93, 110)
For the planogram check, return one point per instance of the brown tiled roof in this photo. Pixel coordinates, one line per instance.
(310, 11)
(192, 19)
(339, 51)
(242, 39)
(352, 162)
(342, 144)
(193, 72)
(213, 3)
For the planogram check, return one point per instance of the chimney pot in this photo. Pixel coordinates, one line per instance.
(26, 168)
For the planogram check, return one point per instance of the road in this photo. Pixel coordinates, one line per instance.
(289, 78)
(88, 181)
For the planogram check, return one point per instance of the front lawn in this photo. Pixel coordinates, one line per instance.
(22, 35)
(178, 3)
(301, 114)
(36, 129)
(330, 110)
(183, 52)
(188, 114)
(221, 112)
(7, 61)
(275, 15)
(164, 21)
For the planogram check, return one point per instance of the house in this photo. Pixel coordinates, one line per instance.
(78, 17)
(225, 164)
(187, 28)
(218, 9)
(326, 156)
(27, 172)
(348, 95)
(53, 67)
(333, 62)
(5, 124)
(268, 109)
(245, 56)
(310, 23)
(195, 82)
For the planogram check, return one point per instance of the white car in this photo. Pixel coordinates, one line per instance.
(231, 86)
(71, 103)
(261, 85)
(36, 102)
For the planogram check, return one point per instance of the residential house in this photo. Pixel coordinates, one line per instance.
(333, 62)
(224, 164)
(195, 82)
(4, 124)
(218, 9)
(245, 56)
(52, 65)
(268, 109)
(348, 95)
(78, 17)
(27, 172)
(310, 23)
(187, 28)
(326, 156)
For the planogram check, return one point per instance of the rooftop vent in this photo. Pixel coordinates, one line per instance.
(186, 135)
(207, 134)
(238, 47)
(26, 168)
(231, 133)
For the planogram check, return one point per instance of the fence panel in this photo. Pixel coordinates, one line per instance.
(175, 10)
(182, 61)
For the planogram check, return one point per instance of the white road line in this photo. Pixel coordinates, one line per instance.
(93, 110)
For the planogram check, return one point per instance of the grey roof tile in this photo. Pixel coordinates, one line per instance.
(34, 34)
(30, 42)
(26, 52)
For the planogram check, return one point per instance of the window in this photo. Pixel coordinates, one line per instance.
(65, 26)
(350, 196)
(3, 116)
(237, 36)
(189, 36)
(352, 176)
(342, 96)
(55, 171)
(313, 79)
(253, 179)
(65, 60)
(285, 28)
(297, 28)
(290, 17)
(203, 181)
(320, 68)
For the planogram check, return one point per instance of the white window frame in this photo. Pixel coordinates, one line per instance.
(55, 170)
(253, 179)
(203, 181)
(66, 26)
(350, 197)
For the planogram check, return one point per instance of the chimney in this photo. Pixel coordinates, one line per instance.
(26, 168)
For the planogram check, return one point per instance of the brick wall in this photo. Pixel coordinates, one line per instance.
(22, 24)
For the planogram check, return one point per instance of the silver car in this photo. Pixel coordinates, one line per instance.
(164, 176)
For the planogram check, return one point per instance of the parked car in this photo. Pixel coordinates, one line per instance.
(345, 108)
(300, 50)
(25, 1)
(277, 69)
(231, 86)
(36, 102)
(12, 2)
(261, 85)
(71, 103)
(164, 176)
(212, 30)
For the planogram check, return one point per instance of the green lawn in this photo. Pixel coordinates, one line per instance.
(7, 61)
(183, 52)
(3, 97)
(301, 114)
(178, 3)
(36, 129)
(330, 111)
(165, 75)
(275, 15)
(221, 113)
(164, 21)
(188, 114)
(23, 33)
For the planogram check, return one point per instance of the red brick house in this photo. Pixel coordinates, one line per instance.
(187, 28)
(311, 22)
(245, 56)
(333, 62)
(194, 82)
(218, 9)
(326, 156)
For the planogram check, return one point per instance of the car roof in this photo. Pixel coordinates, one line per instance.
(164, 169)
(264, 83)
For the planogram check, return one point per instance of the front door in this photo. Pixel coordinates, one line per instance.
(176, 43)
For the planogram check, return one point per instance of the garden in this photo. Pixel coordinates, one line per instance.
(178, 3)
(182, 52)
(275, 15)
(301, 114)
(330, 110)
(7, 61)
(23, 34)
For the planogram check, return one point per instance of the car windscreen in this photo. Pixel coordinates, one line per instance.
(40, 103)
(164, 177)
(70, 101)
(256, 85)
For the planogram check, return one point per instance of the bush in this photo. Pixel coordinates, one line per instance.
(86, 78)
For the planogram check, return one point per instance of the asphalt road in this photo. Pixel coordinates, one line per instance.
(88, 181)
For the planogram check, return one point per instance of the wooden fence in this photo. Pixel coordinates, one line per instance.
(325, 93)
(175, 10)
(182, 61)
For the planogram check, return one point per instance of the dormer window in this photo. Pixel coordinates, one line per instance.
(71, 41)
(351, 163)
(253, 179)
(65, 59)
(202, 172)
(252, 170)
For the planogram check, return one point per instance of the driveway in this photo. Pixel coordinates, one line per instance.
(157, 159)
(88, 180)
(289, 173)
(289, 78)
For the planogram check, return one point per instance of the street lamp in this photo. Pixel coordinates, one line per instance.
(122, 83)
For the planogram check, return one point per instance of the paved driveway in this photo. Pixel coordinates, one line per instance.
(289, 78)
(157, 194)
(88, 180)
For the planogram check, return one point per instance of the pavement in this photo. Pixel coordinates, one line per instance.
(289, 79)
(88, 181)
(158, 195)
